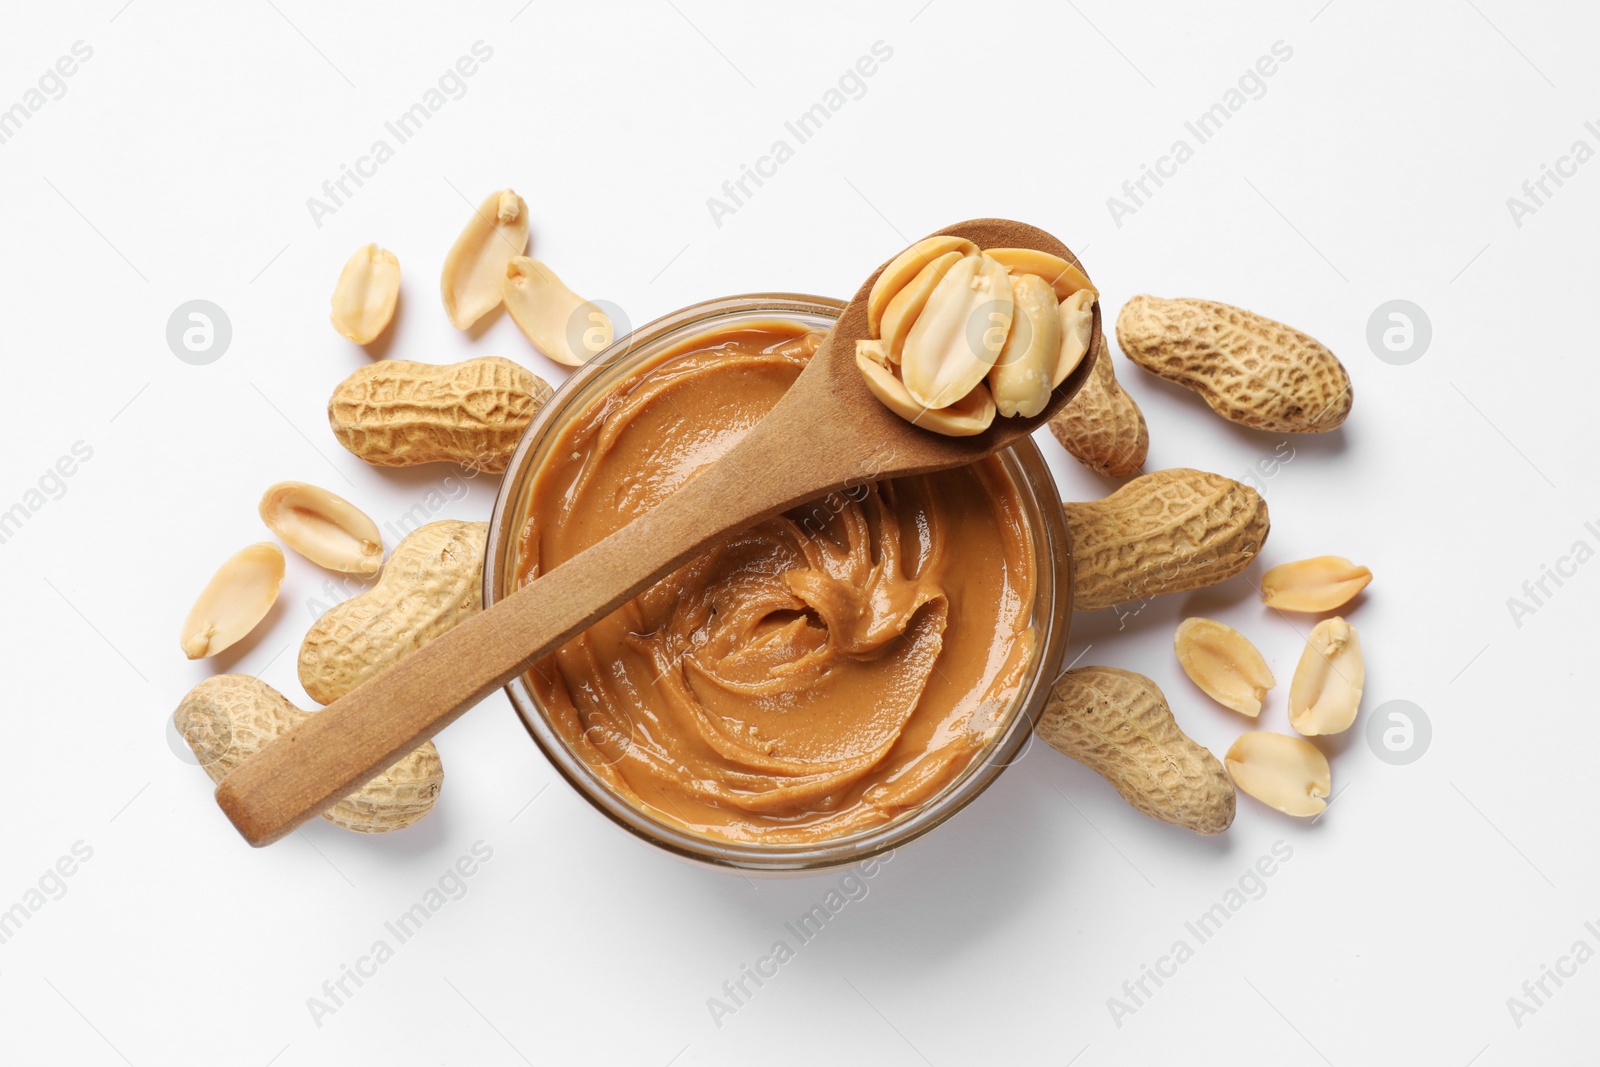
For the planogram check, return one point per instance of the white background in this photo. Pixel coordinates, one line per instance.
(1376, 166)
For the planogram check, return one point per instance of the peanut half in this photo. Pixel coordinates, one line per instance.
(1282, 772)
(434, 580)
(548, 313)
(1077, 329)
(1250, 369)
(958, 336)
(474, 271)
(396, 413)
(323, 527)
(365, 295)
(908, 303)
(957, 330)
(1164, 532)
(1224, 664)
(1326, 691)
(970, 415)
(236, 598)
(906, 266)
(1117, 723)
(1021, 379)
(1102, 426)
(227, 718)
(1064, 277)
(1318, 584)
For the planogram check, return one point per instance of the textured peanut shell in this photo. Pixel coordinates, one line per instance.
(1117, 723)
(396, 413)
(1164, 532)
(227, 718)
(1101, 426)
(434, 579)
(1250, 369)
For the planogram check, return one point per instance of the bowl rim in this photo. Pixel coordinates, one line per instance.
(1053, 568)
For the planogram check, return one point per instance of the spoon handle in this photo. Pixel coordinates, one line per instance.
(307, 770)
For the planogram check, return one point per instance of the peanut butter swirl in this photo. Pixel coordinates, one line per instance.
(812, 676)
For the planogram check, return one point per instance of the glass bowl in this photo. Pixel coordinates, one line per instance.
(1052, 608)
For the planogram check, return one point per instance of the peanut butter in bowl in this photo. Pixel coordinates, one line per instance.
(811, 678)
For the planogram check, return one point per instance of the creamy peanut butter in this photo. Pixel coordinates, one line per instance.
(815, 675)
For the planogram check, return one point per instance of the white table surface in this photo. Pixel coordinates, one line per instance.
(1375, 164)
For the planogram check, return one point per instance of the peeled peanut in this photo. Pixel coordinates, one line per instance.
(959, 334)
(227, 718)
(1164, 532)
(474, 271)
(1326, 691)
(1250, 369)
(323, 527)
(907, 304)
(397, 413)
(1224, 664)
(906, 266)
(434, 580)
(1064, 277)
(547, 312)
(1318, 584)
(238, 597)
(1077, 329)
(1023, 375)
(364, 298)
(1282, 772)
(1117, 723)
(970, 415)
(1102, 426)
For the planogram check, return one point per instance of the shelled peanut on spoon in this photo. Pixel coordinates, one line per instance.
(959, 334)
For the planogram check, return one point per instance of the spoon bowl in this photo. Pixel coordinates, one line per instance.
(874, 422)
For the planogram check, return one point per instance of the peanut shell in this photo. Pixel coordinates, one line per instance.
(1118, 724)
(1164, 532)
(1102, 426)
(227, 718)
(434, 580)
(1250, 369)
(397, 413)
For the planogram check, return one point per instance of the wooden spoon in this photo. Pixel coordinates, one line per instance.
(826, 432)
